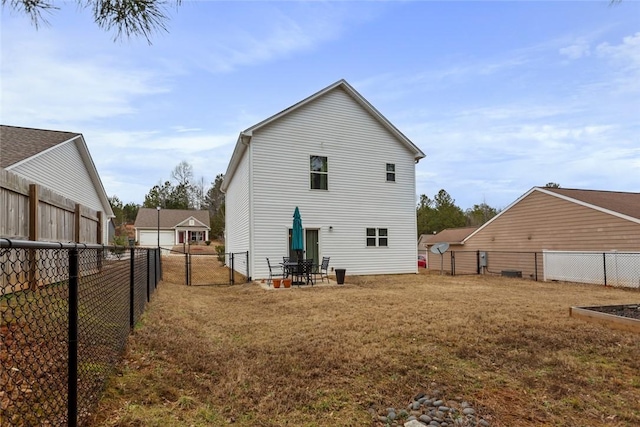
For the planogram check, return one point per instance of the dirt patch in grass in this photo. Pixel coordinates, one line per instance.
(324, 356)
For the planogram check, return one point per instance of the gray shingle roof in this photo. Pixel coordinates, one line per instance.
(169, 218)
(18, 143)
(616, 201)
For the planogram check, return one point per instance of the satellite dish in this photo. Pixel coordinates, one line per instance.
(440, 248)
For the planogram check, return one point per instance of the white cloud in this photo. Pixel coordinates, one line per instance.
(43, 85)
(628, 52)
(625, 63)
(577, 50)
(275, 35)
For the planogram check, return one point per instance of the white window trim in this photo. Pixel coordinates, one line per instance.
(386, 172)
(318, 172)
(377, 237)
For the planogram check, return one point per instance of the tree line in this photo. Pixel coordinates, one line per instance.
(181, 191)
(434, 215)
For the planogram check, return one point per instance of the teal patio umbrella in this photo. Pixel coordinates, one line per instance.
(297, 238)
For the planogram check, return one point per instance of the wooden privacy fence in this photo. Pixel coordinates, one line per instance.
(31, 212)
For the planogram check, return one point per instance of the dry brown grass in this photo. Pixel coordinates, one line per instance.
(323, 356)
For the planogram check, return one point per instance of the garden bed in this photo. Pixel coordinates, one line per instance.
(625, 317)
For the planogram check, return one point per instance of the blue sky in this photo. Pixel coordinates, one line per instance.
(501, 96)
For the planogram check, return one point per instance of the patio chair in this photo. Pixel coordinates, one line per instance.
(272, 274)
(304, 274)
(323, 269)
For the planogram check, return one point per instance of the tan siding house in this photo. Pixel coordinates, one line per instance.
(454, 237)
(558, 219)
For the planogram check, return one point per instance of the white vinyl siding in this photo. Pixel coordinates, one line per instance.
(237, 216)
(355, 144)
(63, 171)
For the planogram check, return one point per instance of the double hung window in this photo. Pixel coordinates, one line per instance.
(391, 172)
(319, 173)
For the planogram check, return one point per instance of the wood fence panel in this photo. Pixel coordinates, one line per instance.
(30, 211)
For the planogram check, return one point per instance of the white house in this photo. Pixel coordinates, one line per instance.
(171, 227)
(347, 168)
(58, 161)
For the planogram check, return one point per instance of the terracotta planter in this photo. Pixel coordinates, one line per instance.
(286, 283)
(276, 283)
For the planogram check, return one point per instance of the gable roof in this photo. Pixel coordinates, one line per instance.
(169, 218)
(617, 203)
(245, 136)
(19, 144)
(614, 201)
(453, 236)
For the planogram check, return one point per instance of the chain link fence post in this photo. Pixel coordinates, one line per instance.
(72, 364)
(131, 288)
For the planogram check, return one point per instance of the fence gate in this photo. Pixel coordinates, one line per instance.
(213, 269)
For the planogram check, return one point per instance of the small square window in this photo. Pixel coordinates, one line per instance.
(377, 237)
(391, 172)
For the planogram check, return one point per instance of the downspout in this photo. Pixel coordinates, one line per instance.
(246, 141)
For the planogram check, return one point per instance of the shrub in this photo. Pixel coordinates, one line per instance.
(207, 242)
(220, 252)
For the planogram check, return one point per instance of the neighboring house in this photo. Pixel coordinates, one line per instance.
(453, 236)
(556, 219)
(171, 226)
(347, 168)
(563, 219)
(57, 161)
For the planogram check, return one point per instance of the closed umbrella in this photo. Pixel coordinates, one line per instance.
(297, 238)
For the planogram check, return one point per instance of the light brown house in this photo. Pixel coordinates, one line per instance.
(453, 236)
(560, 219)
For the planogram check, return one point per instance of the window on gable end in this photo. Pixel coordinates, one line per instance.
(391, 172)
(319, 173)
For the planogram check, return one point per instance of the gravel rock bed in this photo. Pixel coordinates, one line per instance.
(431, 410)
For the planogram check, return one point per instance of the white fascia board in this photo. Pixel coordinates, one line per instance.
(182, 223)
(241, 146)
(95, 177)
(88, 161)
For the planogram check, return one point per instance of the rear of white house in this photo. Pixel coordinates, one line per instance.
(350, 172)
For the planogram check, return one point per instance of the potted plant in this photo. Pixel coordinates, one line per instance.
(286, 283)
(276, 283)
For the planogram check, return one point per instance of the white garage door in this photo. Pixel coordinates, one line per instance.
(150, 238)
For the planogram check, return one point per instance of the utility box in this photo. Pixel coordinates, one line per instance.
(483, 259)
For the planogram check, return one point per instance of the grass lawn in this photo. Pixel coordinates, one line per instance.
(208, 356)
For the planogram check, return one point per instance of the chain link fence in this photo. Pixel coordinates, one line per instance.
(66, 311)
(198, 269)
(620, 269)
